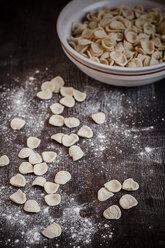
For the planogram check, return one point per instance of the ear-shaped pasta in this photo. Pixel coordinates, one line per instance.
(130, 35)
(96, 49)
(135, 63)
(108, 44)
(147, 46)
(121, 36)
(116, 25)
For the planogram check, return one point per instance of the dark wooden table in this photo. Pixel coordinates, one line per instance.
(131, 143)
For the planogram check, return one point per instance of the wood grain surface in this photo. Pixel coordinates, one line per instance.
(131, 143)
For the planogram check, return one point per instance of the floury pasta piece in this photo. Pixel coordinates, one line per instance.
(113, 212)
(67, 101)
(18, 197)
(85, 132)
(104, 194)
(113, 186)
(66, 91)
(127, 201)
(130, 185)
(45, 94)
(49, 156)
(99, 117)
(17, 123)
(71, 122)
(25, 152)
(26, 168)
(53, 199)
(4, 160)
(56, 108)
(117, 36)
(75, 152)
(79, 96)
(50, 187)
(18, 180)
(33, 142)
(40, 169)
(48, 85)
(35, 158)
(56, 120)
(57, 137)
(31, 206)
(69, 140)
(39, 181)
(58, 83)
(62, 177)
(52, 231)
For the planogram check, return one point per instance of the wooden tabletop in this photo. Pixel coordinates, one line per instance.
(131, 142)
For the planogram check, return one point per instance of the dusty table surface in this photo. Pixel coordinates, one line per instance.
(129, 144)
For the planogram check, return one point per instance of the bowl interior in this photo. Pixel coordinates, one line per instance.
(76, 10)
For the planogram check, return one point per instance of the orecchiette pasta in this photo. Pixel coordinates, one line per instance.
(117, 36)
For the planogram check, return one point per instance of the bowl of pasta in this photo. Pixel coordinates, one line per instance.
(122, 45)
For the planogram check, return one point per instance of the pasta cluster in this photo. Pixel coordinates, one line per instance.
(121, 36)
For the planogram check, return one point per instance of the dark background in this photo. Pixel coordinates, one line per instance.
(29, 42)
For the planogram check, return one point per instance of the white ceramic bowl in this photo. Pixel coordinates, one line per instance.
(113, 75)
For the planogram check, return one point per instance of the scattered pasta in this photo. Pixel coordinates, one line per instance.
(104, 194)
(85, 132)
(69, 140)
(57, 108)
(35, 158)
(33, 142)
(99, 117)
(57, 137)
(18, 180)
(17, 123)
(51, 188)
(52, 231)
(75, 152)
(45, 94)
(48, 85)
(113, 186)
(62, 177)
(127, 201)
(31, 206)
(113, 212)
(40, 169)
(71, 122)
(53, 199)
(67, 101)
(56, 120)
(26, 168)
(18, 197)
(49, 156)
(25, 152)
(79, 96)
(39, 181)
(66, 91)
(130, 185)
(58, 83)
(4, 160)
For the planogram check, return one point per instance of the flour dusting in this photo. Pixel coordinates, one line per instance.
(115, 150)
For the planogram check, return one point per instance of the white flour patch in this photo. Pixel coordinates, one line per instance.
(81, 229)
(152, 155)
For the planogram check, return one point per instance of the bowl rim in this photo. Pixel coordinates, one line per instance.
(64, 43)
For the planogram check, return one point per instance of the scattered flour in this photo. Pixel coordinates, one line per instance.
(115, 147)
